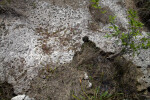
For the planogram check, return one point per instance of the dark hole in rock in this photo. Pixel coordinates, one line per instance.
(148, 89)
(85, 39)
(139, 67)
(6, 91)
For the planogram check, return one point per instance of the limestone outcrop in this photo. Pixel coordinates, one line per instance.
(34, 33)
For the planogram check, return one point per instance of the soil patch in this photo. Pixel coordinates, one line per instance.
(56, 84)
(99, 16)
(115, 76)
(6, 91)
(143, 7)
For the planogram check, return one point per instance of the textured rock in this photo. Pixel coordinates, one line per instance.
(21, 97)
(50, 31)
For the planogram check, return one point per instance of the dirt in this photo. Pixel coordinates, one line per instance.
(56, 84)
(60, 83)
(117, 75)
(99, 16)
(6, 91)
(130, 4)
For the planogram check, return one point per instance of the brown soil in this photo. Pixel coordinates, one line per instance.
(130, 4)
(98, 16)
(6, 91)
(114, 76)
(60, 83)
(56, 84)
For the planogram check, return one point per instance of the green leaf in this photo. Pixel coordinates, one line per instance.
(105, 94)
(93, 1)
(103, 12)
(108, 35)
(148, 44)
(75, 97)
(94, 5)
(110, 27)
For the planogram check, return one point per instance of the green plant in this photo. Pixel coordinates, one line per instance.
(133, 40)
(95, 4)
(96, 95)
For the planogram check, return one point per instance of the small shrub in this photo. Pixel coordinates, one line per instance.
(132, 41)
(96, 5)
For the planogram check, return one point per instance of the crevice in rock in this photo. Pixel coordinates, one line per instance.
(148, 89)
(6, 91)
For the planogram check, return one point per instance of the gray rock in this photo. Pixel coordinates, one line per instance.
(22, 97)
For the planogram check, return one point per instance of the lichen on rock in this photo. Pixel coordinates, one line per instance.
(34, 33)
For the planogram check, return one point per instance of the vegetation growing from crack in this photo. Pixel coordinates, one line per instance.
(113, 76)
(96, 5)
(132, 41)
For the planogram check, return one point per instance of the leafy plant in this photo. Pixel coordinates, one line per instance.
(95, 4)
(133, 40)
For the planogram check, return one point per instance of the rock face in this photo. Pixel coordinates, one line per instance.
(21, 97)
(36, 33)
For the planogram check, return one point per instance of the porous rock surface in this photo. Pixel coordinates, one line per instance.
(37, 32)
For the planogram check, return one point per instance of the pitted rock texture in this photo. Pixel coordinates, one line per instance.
(50, 31)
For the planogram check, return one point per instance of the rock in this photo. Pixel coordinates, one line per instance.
(86, 77)
(51, 33)
(22, 97)
(89, 84)
(85, 39)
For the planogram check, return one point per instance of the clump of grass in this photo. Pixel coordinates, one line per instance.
(97, 95)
